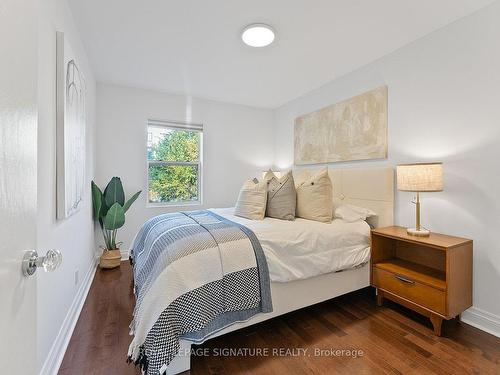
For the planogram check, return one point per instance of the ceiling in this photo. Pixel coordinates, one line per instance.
(194, 47)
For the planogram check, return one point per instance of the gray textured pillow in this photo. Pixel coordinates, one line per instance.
(281, 197)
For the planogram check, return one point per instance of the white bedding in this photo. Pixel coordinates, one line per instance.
(302, 248)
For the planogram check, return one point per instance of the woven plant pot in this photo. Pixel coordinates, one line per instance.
(110, 259)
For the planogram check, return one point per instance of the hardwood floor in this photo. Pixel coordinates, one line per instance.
(392, 339)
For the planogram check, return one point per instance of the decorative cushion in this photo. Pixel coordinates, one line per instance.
(281, 196)
(268, 175)
(251, 202)
(315, 197)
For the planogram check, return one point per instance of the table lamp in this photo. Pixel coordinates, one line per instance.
(420, 177)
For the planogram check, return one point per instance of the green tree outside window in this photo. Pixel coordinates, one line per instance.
(173, 157)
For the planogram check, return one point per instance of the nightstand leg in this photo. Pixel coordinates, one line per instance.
(380, 297)
(436, 323)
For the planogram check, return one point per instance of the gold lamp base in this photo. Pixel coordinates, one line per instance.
(418, 232)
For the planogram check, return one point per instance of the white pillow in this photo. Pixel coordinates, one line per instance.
(352, 213)
(315, 197)
(252, 200)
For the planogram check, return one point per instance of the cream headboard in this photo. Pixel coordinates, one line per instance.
(372, 188)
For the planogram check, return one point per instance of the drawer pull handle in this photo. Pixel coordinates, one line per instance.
(404, 279)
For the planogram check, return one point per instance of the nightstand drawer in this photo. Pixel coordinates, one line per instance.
(409, 289)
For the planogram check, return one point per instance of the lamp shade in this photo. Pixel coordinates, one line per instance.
(420, 177)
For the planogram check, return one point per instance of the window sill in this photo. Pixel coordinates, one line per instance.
(173, 205)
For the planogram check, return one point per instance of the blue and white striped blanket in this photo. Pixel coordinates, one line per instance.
(194, 273)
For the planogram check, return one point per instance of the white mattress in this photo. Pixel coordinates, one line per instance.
(302, 248)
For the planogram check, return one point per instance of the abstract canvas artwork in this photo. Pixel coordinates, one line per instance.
(70, 130)
(354, 129)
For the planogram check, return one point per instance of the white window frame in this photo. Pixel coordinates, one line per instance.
(176, 125)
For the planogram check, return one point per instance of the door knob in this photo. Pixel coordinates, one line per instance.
(49, 262)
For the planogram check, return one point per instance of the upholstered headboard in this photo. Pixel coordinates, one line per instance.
(372, 188)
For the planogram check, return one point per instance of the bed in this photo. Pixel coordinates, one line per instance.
(301, 249)
(316, 261)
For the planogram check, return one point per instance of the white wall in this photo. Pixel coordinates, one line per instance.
(444, 105)
(74, 237)
(237, 144)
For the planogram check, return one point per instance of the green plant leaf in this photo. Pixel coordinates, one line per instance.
(115, 218)
(114, 192)
(97, 198)
(104, 208)
(130, 201)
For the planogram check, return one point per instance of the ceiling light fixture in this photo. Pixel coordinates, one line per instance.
(258, 35)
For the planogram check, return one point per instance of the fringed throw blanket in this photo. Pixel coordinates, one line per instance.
(194, 273)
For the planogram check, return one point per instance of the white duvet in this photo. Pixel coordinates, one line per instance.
(302, 248)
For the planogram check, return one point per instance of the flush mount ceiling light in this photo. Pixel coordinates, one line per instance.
(258, 35)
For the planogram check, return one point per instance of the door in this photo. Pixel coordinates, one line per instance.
(18, 162)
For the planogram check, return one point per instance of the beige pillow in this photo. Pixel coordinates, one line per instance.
(315, 197)
(252, 200)
(281, 196)
(268, 175)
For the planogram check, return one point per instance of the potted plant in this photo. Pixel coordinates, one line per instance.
(109, 210)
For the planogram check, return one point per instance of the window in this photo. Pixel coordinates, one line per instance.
(174, 162)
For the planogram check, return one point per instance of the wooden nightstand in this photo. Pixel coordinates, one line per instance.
(431, 275)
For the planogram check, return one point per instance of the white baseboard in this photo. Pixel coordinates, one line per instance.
(56, 354)
(483, 320)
